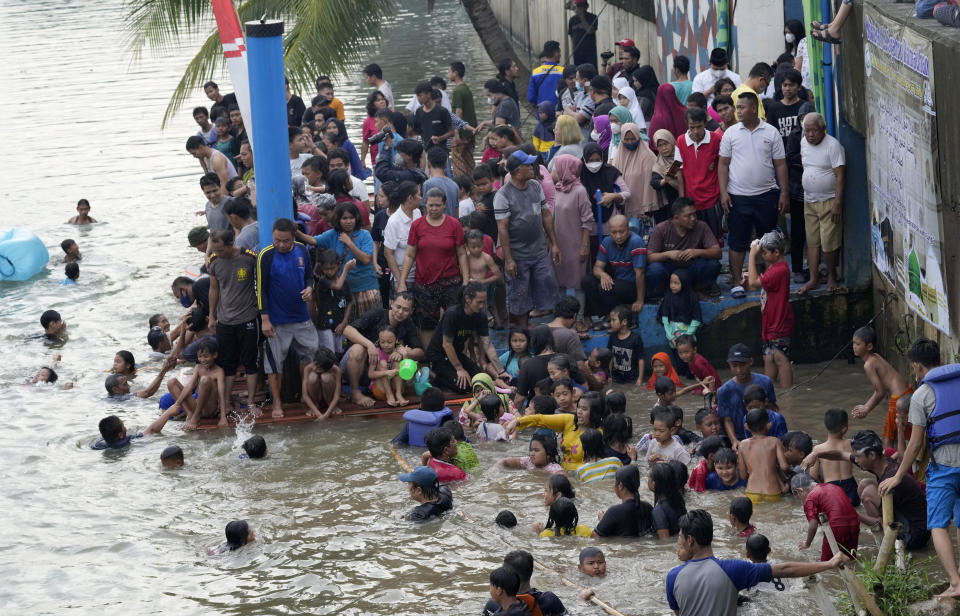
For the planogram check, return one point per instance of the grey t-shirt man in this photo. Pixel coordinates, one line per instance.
(237, 279)
(922, 404)
(249, 238)
(216, 218)
(524, 209)
(508, 110)
(566, 341)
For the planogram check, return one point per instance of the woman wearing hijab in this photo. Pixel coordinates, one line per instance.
(668, 113)
(679, 311)
(618, 84)
(619, 116)
(602, 133)
(598, 175)
(635, 162)
(666, 178)
(628, 98)
(573, 224)
(645, 83)
(543, 138)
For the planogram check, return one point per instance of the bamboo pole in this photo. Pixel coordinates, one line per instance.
(609, 609)
(889, 542)
(887, 505)
(901, 555)
(855, 587)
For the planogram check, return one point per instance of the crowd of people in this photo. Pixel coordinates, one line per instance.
(624, 195)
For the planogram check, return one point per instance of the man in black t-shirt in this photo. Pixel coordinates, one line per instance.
(221, 102)
(432, 120)
(452, 368)
(582, 29)
(365, 330)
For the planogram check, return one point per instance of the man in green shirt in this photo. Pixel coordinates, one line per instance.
(461, 101)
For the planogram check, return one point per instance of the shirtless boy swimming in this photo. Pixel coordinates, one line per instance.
(886, 381)
(762, 461)
(837, 472)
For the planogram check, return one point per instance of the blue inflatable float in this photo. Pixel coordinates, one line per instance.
(22, 254)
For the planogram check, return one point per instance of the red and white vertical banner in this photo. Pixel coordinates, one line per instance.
(235, 52)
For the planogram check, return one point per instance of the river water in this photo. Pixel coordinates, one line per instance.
(108, 532)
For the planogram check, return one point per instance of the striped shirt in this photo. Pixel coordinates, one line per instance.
(595, 471)
(624, 259)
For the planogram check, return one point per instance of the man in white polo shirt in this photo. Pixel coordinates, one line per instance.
(824, 169)
(752, 165)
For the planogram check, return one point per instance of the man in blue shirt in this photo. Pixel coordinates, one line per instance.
(544, 78)
(730, 406)
(284, 286)
(704, 584)
(625, 254)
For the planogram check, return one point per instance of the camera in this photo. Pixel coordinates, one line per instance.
(606, 55)
(386, 132)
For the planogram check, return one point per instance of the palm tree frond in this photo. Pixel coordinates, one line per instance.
(160, 23)
(208, 60)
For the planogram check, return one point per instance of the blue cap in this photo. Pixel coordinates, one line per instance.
(422, 476)
(520, 158)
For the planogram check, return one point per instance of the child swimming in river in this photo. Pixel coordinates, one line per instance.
(762, 461)
(563, 520)
(238, 534)
(171, 457)
(123, 363)
(543, 454)
(838, 472)
(83, 214)
(490, 429)
(668, 506)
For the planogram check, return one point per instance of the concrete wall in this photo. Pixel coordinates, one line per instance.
(757, 33)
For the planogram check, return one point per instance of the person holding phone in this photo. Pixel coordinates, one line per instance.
(667, 175)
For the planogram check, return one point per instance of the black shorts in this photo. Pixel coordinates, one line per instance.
(239, 344)
(445, 375)
(432, 300)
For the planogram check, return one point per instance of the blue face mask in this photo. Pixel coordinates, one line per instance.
(631, 146)
(579, 87)
(185, 299)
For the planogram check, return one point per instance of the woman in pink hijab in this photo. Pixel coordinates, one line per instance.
(668, 113)
(573, 224)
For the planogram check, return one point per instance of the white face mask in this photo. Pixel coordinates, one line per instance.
(718, 73)
(594, 167)
(615, 128)
(789, 37)
(594, 135)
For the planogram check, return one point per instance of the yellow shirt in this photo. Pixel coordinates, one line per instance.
(745, 88)
(337, 106)
(565, 424)
(582, 531)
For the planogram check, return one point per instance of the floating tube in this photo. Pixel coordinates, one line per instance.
(22, 254)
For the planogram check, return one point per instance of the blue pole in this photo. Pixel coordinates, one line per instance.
(268, 109)
(827, 73)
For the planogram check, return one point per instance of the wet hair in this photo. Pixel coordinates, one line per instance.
(112, 380)
(617, 430)
(563, 516)
(210, 178)
(867, 335)
(589, 552)
(865, 441)
(110, 428)
(664, 384)
(521, 562)
(209, 346)
(925, 352)
(549, 444)
(773, 241)
(490, 406)
(697, 524)
(197, 319)
(757, 420)
(616, 401)
(741, 508)
(561, 483)
(255, 447)
(155, 337)
(432, 400)
(506, 579)
(561, 382)
(801, 481)
(237, 532)
(154, 320)
(758, 546)
(624, 313)
(835, 420)
(667, 486)
(52, 378)
(506, 519)
(799, 439)
(702, 414)
(680, 469)
(567, 307)
(725, 455)
(172, 452)
(710, 445)
(127, 358)
(437, 440)
(540, 338)
(455, 428)
(591, 441)
(324, 358)
(72, 270)
(629, 479)
(595, 403)
(66, 244)
(544, 405)
(754, 393)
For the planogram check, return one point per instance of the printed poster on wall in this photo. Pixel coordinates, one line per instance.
(902, 152)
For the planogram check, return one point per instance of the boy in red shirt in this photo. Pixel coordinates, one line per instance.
(701, 369)
(442, 449)
(832, 501)
(776, 315)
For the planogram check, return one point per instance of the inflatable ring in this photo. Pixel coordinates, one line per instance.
(22, 254)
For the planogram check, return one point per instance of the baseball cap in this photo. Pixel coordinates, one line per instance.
(421, 476)
(739, 353)
(197, 236)
(625, 42)
(718, 57)
(520, 158)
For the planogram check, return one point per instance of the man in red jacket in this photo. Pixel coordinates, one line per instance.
(698, 150)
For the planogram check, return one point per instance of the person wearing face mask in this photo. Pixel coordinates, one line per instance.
(583, 102)
(635, 162)
(597, 175)
(601, 89)
(793, 33)
(505, 110)
(705, 81)
(188, 291)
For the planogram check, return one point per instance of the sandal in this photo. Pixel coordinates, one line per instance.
(738, 292)
(824, 37)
